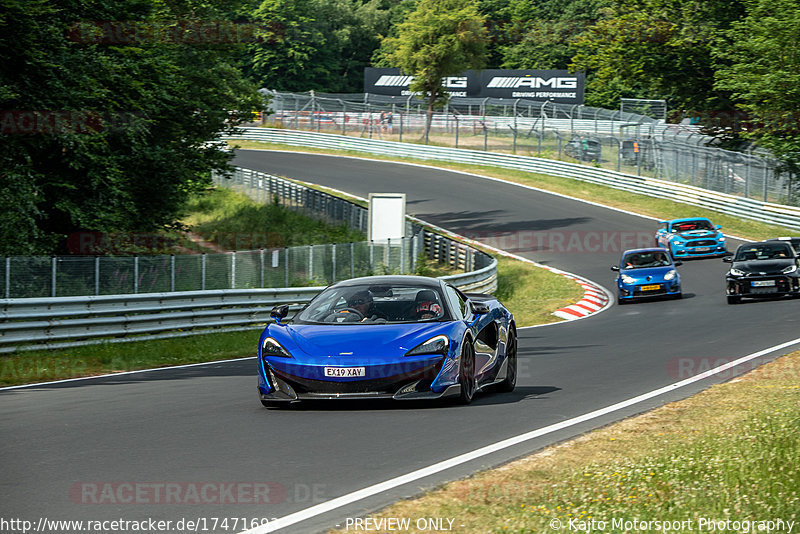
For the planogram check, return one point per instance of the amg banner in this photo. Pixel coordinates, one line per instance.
(559, 86)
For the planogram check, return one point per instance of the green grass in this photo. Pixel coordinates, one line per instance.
(642, 204)
(531, 293)
(56, 364)
(236, 222)
(729, 453)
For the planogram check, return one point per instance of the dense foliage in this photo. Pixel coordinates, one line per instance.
(107, 108)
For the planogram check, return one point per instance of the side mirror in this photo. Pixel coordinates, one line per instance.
(662, 222)
(615, 267)
(279, 312)
(677, 262)
(479, 308)
(727, 259)
(719, 227)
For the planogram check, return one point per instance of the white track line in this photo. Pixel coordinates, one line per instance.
(370, 491)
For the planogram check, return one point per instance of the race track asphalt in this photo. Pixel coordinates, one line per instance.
(204, 424)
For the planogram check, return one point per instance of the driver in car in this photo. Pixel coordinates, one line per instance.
(360, 301)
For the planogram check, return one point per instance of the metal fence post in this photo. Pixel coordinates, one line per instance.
(136, 274)
(203, 271)
(53, 261)
(261, 270)
(333, 263)
(97, 275)
(172, 272)
(286, 269)
(352, 261)
(310, 262)
(8, 278)
(233, 270)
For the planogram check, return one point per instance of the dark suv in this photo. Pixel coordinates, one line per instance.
(765, 269)
(583, 148)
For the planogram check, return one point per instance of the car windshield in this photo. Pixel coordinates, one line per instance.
(642, 260)
(688, 226)
(764, 251)
(375, 304)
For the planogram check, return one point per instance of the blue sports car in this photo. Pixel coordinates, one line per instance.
(647, 272)
(395, 337)
(693, 237)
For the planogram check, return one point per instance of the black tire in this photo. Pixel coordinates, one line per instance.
(621, 301)
(734, 299)
(466, 373)
(678, 296)
(510, 382)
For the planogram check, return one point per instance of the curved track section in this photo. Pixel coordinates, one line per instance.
(68, 443)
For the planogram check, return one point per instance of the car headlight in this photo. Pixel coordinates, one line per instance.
(627, 279)
(435, 345)
(736, 272)
(721, 238)
(679, 243)
(270, 347)
(789, 269)
(670, 274)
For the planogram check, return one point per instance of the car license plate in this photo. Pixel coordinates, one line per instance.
(702, 249)
(345, 372)
(653, 287)
(762, 283)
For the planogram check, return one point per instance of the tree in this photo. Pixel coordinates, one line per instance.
(105, 125)
(315, 44)
(439, 38)
(541, 34)
(762, 54)
(656, 49)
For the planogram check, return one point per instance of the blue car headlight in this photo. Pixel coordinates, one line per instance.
(270, 347)
(627, 279)
(435, 345)
(671, 274)
(679, 243)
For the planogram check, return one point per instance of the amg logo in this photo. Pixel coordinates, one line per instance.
(516, 82)
(388, 80)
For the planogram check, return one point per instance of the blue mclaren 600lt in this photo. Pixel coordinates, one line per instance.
(393, 337)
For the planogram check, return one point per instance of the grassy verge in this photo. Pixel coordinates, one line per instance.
(730, 453)
(654, 207)
(233, 220)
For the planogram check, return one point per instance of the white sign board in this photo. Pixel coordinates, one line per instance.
(387, 216)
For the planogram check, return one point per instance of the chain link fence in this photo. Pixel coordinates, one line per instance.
(309, 265)
(609, 139)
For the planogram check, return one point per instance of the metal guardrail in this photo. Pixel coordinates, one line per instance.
(778, 214)
(32, 323)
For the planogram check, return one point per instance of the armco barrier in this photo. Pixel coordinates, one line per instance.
(69, 321)
(778, 214)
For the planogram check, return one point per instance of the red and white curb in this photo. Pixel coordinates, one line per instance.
(595, 297)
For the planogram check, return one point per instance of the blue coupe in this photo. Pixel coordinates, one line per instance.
(395, 337)
(647, 272)
(693, 237)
